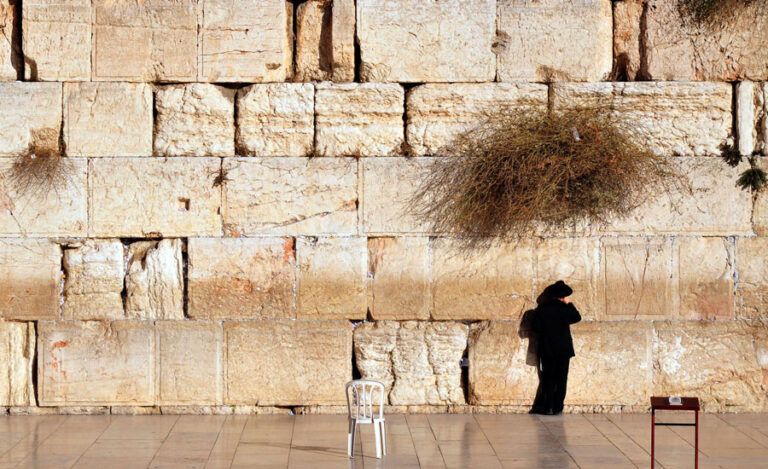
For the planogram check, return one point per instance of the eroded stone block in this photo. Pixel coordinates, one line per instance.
(155, 280)
(752, 283)
(627, 16)
(27, 111)
(93, 284)
(576, 261)
(325, 35)
(10, 60)
(706, 278)
(30, 279)
(17, 351)
(399, 278)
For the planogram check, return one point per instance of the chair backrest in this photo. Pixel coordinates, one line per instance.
(361, 394)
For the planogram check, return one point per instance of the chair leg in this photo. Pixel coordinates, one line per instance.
(377, 432)
(351, 438)
(383, 439)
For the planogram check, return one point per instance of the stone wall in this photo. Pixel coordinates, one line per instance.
(232, 234)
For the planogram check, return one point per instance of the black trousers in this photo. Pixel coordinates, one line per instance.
(553, 382)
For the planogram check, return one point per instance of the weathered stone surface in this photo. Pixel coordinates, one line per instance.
(705, 271)
(331, 278)
(553, 40)
(17, 350)
(108, 119)
(93, 284)
(10, 60)
(30, 279)
(670, 118)
(57, 40)
(181, 202)
(746, 126)
(96, 363)
(287, 362)
(145, 41)
(195, 120)
(418, 362)
(576, 261)
(493, 283)
(399, 278)
(761, 116)
(417, 41)
(27, 110)
(385, 205)
(438, 113)
(627, 16)
(155, 280)
(298, 196)
(325, 35)
(236, 278)
(358, 119)
(752, 283)
(276, 119)
(189, 362)
(246, 41)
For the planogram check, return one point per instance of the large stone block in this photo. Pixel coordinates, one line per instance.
(492, 283)
(752, 278)
(10, 60)
(555, 40)
(195, 120)
(246, 41)
(627, 16)
(108, 119)
(17, 351)
(419, 362)
(325, 40)
(399, 278)
(30, 279)
(287, 362)
(28, 110)
(93, 284)
(96, 363)
(299, 196)
(576, 261)
(181, 202)
(155, 280)
(417, 41)
(706, 272)
(359, 119)
(438, 113)
(236, 278)
(331, 278)
(276, 119)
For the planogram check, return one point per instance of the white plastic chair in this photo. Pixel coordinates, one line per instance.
(360, 396)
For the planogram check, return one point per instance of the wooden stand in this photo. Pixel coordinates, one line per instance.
(662, 403)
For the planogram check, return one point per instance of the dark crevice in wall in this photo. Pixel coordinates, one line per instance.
(405, 148)
(465, 373)
(17, 56)
(294, 35)
(358, 59)
(154, 118)
(185, 277)
(35, 391)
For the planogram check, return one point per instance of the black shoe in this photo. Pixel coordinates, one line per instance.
(534, 410)
(550, 412)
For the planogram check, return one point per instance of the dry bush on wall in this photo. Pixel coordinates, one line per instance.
(41, 169)
(707, 11)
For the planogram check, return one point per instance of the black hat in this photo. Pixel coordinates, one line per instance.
(558, 289)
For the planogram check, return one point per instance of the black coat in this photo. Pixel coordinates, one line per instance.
(551, 324)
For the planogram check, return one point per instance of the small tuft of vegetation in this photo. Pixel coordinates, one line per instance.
(753, 179)
(220, 177)
(707, 11)
(41, 169)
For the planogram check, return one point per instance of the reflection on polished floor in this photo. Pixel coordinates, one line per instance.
(428, 441)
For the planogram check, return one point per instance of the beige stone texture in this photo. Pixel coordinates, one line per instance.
(761, 117)
(153, 40)
(576, 261)
(108, 119)
(27, 109)
(96, 363)
(325, 41)
(745, 110)
(238, 278)
(154, 282)
(287, 362)
(331, 278)
(627, 16)
(276, 119)
(30, 279)
(752, 277)
(418, 41)
(705, 273)
(359, 119)
(418, 361)
(492, 283)
(9, 57)
(181, 202)
(438, 113)
(94, 271)
(17, 351)
(189, 362)
(760, 205)
(246, 41)
(195, 120)
(295, 196)
(554, 40)
(688, 119)
(399, 278)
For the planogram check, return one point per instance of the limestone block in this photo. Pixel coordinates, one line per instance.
(17, 351)
(235, 278)
(181, 202)
(195, 120)
(493, 283)
(299, 196)
(325, 35)
(246, 41)
(705, 272)
(761, 115)
(27, 110)
(418, 362)
(155, 280)
(331, 278)
(96, 363)
(93, 284)
(438, 113)
(287, 362)
(57, 40)
(399, 278)
(576, 261)
(688, 119)
(189, 367)
(745, 109)
(30, 279)
(276, 119)
(10, 60)
(627, 16)
(358, 119)
(417, 41)
(555, 40)
(108, 119)
(153, 40)
(752, 281)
